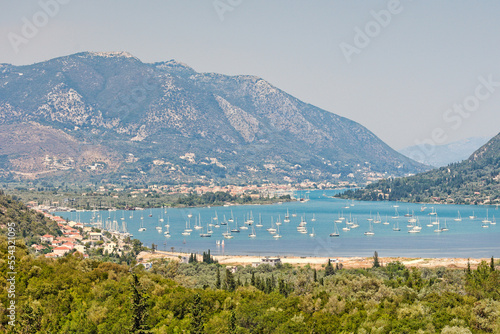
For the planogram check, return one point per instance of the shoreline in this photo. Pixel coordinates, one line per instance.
(355, 262)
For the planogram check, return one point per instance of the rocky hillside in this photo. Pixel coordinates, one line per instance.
(473, 181)
(108, 115)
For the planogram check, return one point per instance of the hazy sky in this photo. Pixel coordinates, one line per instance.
(409, 71)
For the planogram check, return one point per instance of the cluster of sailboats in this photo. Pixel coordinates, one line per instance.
(232, 227)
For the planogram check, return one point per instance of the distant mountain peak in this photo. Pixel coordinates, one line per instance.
(110, 54)
(175, 66)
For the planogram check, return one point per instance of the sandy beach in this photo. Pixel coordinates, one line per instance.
(318, 262)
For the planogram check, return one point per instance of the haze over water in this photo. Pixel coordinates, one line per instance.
(464, 239)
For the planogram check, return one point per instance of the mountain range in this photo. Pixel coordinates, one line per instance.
(472, 181)
(443, 155)
(109, 116)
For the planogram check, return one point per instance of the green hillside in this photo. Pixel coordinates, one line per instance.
(473, 181)
(29, 225)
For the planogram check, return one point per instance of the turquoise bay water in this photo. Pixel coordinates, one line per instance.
(463, 239)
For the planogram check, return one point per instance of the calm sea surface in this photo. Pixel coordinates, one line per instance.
(467, 238)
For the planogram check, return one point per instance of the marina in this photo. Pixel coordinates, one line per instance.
(421, 232)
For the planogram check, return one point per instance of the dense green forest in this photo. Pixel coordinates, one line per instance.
(473, 181)
(76, 295)
(29, 224)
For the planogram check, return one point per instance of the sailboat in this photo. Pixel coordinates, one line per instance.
(252, 235)
(313, 218)
(396, 226)
(287, 217)
(231, 220)
(302, 227)
(353, 223)
(278, 223)
(396, 213)
(250, 219)
(312, 235)
(206, 235)
(243, 227)
(408, 214)
(168, 222)
(370, 232)
(277, 235)
(487, 220)
(294, 214)
(216, 218)
(188, 228)
(473, 216)
(493, 221)
(142, 228)
(227, 234)
(159, 228)
(433, 212)
(438, 230)
(167, 233)
(236, 229)
(377, 220)
(346, 228)
(197, 224)
(445, 228)
(413, 219)
(436, 222)
(303, 220)
(430, 223)
(161, 217)
(190, 215)
(335, 231)
(150, 213)
(386, 221)
(370, 219)
(459, 218)
(341, 218)
(224, 221)
(271, 230)
(260, 221)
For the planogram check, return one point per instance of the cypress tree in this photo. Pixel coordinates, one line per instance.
(329, 269)
(252, 281)
(492, 264)
(468, 272)
(229, 283)
(139, 309)
(197, 312)
(218, 282)
(376, 263)
(315, 276)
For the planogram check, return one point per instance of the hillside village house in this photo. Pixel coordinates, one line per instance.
(272, 261)
(47, 238)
